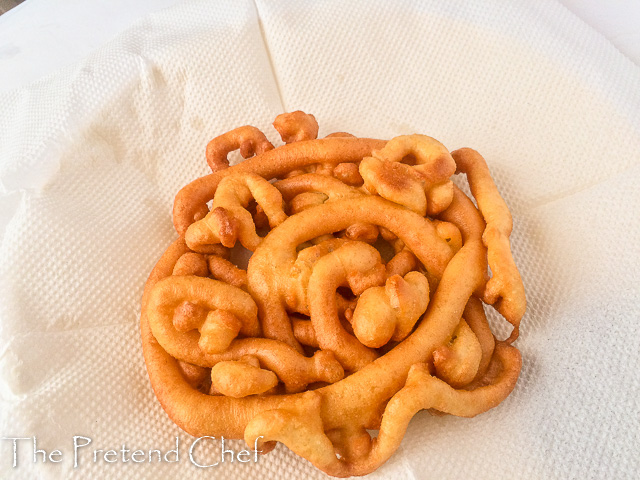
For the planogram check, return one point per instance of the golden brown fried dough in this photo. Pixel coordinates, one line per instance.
(362, 305)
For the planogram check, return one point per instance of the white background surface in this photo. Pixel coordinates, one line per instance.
(40, 36)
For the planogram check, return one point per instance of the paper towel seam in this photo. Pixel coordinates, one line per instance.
(596, 32)
(579, 189)
(270, 57)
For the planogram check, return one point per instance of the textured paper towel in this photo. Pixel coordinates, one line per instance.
(91, 157)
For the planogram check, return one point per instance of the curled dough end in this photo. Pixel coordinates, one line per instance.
(390, 312)
(255, 380)
(504, 289)
(249, 140)
(296, 126)
(229, 220)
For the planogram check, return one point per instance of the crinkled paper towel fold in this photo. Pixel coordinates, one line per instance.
(92, 156)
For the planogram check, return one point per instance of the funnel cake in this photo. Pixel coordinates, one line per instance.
(362, 303)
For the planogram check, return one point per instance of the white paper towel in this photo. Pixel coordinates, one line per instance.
(91, 157)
